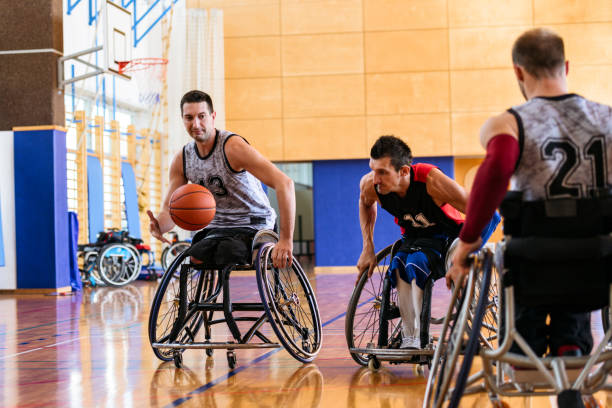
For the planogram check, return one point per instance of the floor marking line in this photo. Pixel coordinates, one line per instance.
(232, 373)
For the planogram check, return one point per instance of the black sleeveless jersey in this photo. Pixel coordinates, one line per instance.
(416, 213)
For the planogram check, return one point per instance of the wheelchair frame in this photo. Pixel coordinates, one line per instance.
(279, 308)
(538, 376)
(377, 348)
(100, 263)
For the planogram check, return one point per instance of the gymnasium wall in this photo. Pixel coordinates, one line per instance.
(321, 79)
(8, 274)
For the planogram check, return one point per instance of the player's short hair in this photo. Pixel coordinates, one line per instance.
(196, 96)
(394, 148)
(540, 51)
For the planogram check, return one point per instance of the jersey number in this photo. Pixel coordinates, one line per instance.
(594, 151)
(419, 221)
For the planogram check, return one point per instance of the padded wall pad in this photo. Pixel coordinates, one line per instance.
(95, 197)
(131, 199)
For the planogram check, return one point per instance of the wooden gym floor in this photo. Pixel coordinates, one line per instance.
(92, 350)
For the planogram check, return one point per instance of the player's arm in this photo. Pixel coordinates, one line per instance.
(242, 156)
(163, 223)
(367, 219)
(499, 136)
(445, 190)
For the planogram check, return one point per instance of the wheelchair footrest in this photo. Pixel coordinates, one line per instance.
(215, 345)
(393, 354)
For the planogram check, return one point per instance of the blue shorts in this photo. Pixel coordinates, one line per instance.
(415, 265)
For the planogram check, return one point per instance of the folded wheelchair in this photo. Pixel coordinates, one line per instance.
(373, 321)
(187, 298)
(556, 255)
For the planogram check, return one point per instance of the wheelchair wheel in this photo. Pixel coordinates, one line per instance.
(290, 305)
(172, 252)
(362, 325)
(118, 264)
(466, 310)
(166, 325)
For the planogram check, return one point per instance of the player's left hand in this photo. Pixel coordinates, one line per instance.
(282, 254)
(460, 265)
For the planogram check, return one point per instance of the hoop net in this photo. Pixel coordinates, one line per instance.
(149, 75)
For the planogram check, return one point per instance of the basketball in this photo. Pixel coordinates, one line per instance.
(192, 207)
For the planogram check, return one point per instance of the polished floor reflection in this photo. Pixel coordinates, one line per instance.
(92, 349)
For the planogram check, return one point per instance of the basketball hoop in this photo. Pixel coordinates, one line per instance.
(139, 64)
(149, 75)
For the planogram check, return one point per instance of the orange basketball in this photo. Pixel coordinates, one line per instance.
(192, 207)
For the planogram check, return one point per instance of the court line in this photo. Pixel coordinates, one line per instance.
(232, 373)
(42, 347)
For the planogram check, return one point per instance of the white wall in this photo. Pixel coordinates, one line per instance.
(8, 272)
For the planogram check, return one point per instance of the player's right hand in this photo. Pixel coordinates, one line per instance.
(154, 228)
(366, 262)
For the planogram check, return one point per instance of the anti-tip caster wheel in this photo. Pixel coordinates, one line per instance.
(373, 363)
(231, 359)
(178, 359)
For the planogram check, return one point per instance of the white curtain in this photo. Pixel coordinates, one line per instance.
(195, 62)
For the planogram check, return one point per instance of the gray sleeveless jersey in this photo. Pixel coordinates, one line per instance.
(241, 201)
(566, 147)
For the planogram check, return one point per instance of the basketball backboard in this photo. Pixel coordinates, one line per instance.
(118, 37)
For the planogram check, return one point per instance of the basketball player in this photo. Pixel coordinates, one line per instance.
(233, 171)
(556, 145)
(425, 203)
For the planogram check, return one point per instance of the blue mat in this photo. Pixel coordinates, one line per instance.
(95, 197)
(131, 199)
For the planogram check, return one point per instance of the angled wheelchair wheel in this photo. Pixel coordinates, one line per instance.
(172, 252)
(172, 318)
(458, 342)
(118, 264)
(290, 305)
(362, 325)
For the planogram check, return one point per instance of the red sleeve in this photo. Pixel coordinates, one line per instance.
(490, 185)
(421, 170)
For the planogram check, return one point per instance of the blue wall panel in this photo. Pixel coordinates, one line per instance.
(95, 197)
(41, 209)
(131, 199)
(336, 212)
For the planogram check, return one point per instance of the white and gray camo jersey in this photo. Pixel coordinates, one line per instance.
(241, 201)
(565, 147)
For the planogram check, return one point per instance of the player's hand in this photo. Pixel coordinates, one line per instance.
(366, 262)
(154, 228)
(282, 254)
(460, 263)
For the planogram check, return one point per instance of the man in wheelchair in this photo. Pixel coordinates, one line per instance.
(554, 151)
(426, 204)
(233, 171)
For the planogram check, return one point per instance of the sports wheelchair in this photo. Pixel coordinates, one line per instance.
(173, 250)
(546, 244)
(373, 321)
(113, 259)
(188, 296)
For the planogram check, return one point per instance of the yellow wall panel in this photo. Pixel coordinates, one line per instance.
(464, 171)
(334, 95)
(325, 138)
(577, 11)
(322, 54)
(466, 132)
(249, 57)
(484, 90)
(576, 37)
(475, 13)
(424, 92)
(415, 50)
(265, 135)
(253, 98)
(247, 17)
(592, 82)
(307, 17)
(383, 15)
(483, 47)
(426, 134)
